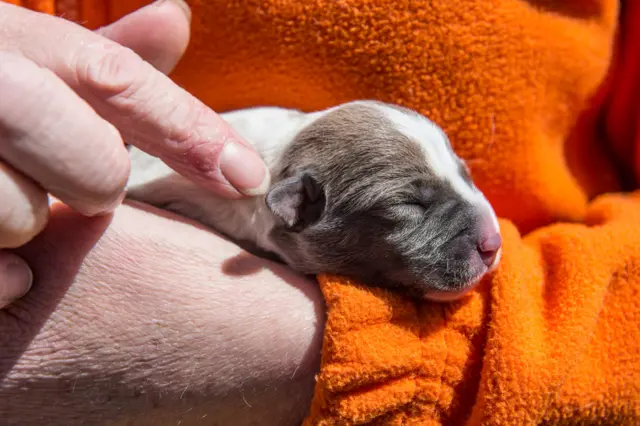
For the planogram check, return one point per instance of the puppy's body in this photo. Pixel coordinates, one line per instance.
(364, 189)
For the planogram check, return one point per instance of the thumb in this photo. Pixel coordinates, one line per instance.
(159, 32)
(15, 278)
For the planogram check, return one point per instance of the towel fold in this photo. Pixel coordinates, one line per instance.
(541, 98)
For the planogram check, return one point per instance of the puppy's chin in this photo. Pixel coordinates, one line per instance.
(451, 296)
(454, 295)
(444, 296)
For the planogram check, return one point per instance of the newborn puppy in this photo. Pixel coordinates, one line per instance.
(366, 190)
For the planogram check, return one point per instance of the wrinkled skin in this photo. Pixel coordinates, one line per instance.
(139, 318)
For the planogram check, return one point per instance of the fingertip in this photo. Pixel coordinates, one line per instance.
(98, 209)
(95, 207)
(244, 169)
(159, 33)
(260, 189)
(180, 4)
(16, 278)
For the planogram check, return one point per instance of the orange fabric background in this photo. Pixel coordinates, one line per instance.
(521, 87)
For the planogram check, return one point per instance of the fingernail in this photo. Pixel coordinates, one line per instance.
(244, 169)
(16, 278)
(180, 3)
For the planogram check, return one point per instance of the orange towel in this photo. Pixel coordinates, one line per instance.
(521, 88)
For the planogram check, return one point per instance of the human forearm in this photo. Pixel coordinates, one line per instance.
(162, 322)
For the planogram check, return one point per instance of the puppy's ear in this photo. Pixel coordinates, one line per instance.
(297, 201)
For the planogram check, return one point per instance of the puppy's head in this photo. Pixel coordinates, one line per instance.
(375, 192)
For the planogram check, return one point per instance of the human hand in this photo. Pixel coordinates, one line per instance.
(140, 318)
(70, 100)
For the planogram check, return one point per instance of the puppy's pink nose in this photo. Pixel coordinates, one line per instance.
(489, 248)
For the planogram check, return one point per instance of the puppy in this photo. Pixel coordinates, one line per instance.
(366, 190)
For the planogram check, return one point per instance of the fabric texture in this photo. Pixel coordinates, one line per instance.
(541, 98)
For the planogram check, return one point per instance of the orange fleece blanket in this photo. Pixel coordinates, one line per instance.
(541, 98)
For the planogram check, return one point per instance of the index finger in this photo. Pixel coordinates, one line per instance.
(150, 111)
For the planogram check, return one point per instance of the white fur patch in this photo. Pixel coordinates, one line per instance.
(438, 153)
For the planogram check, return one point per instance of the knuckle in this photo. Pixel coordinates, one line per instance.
(112, 70)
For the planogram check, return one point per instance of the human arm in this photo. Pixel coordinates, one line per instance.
(139, 316)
